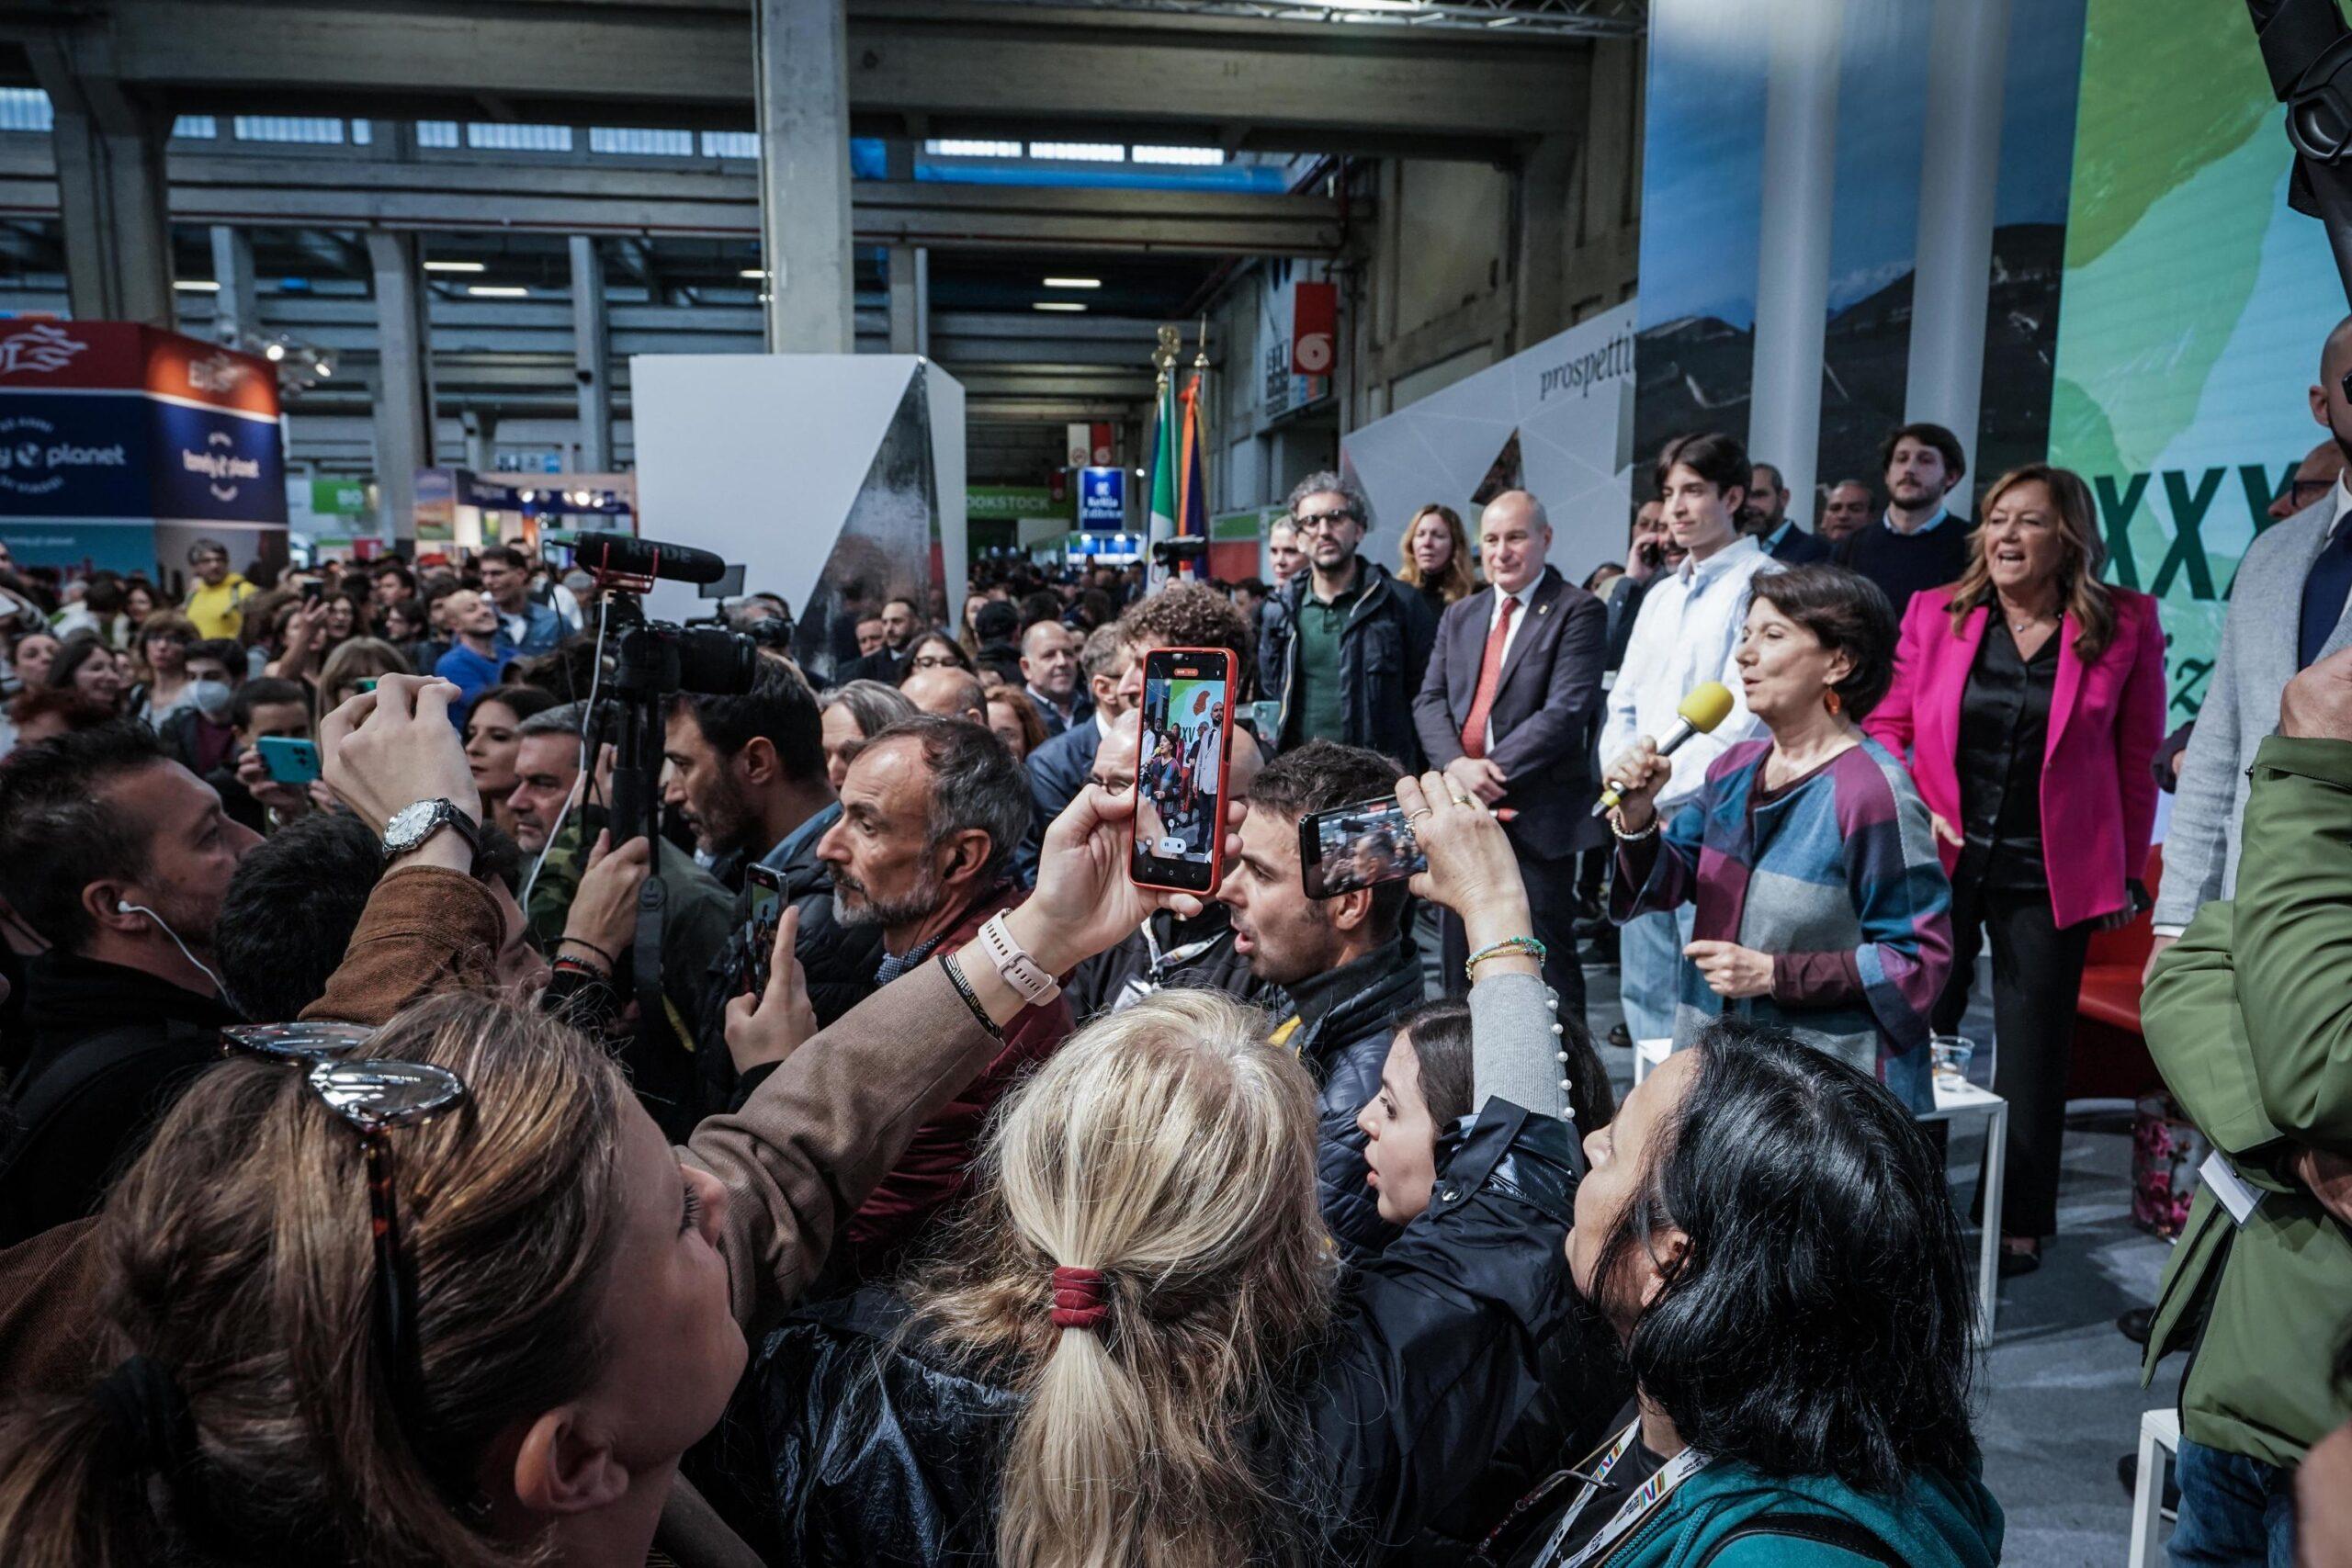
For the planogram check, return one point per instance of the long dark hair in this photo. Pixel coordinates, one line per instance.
(1819, 1322)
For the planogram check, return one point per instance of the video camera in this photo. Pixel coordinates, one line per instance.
(2307, 51)
(651, 662)
(1168, 554)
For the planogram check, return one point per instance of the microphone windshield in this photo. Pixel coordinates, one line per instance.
(1707, 706)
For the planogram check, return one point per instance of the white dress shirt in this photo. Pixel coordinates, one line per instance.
(1686, 633)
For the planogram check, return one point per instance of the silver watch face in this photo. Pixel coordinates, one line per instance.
(410, 823)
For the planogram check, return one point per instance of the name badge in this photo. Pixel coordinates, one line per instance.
(2236, 1194)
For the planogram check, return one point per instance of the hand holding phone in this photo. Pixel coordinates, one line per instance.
(766, 887)
(1362, 845)
(290, 760)
(1186, 740)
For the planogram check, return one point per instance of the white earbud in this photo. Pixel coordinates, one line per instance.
(125, 906)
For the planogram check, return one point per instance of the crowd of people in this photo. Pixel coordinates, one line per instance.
(406, 1160)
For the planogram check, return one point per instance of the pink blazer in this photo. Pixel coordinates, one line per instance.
(2098, 798)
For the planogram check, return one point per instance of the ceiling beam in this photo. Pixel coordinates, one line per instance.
(951, 67)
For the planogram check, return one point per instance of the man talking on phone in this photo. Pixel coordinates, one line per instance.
(1508, 711)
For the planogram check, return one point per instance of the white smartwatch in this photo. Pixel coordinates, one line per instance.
(1019, 970)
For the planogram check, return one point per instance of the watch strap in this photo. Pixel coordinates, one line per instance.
(1035, 986)
(444, 814)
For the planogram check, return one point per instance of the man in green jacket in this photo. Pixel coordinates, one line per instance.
(2249, 1018)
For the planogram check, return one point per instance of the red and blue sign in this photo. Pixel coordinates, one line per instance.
(118, 422)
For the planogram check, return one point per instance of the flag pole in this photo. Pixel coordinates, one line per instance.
(1162, 504)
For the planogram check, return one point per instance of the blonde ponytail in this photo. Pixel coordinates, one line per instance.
(1168, 1148)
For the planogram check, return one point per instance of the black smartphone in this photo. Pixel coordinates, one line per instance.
(312, 592)
(1356, 846)
(768, 909)
(1180, 771)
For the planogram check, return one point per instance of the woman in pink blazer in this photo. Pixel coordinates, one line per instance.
(2029, 698)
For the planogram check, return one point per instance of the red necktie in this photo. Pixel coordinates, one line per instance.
(1490, 675)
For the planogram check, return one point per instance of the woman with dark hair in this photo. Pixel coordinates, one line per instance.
(1768, 1232)
(493, 738)
(937, 650)
(1014, 719)
(1434, 557)
(1820, 903)
(87, 665)
(2030, 697)
(162, 687)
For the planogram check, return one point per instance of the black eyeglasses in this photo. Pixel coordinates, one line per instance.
(1321, 522)
(373, 1097)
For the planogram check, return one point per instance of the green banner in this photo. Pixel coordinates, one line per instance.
(1011, 503)
(2192, 312)
(1251, 524)
(341, 498)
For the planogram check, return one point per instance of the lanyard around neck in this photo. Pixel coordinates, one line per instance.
(1634, 1511)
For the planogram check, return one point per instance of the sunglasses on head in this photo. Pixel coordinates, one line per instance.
(372, 1097)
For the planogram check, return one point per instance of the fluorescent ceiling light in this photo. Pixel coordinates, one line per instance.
(456, 266)
(1080, 151)
(1200, 156)
(1367, 4)
(498, 291)
(1056, 305)
(195, 286)
(968, 147)
(758, 274)
(1073, 283)
(274, 353)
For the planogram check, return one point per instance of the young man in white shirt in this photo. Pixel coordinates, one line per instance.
(1686, 634)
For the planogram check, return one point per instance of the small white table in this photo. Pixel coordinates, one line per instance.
(1952, 1103)
(2159, 1436)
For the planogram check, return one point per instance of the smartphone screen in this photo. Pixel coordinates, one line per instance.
(288, 760)
(767, 908)
(1356, 846)
(1180, 772)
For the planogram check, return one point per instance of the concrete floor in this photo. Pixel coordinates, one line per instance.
(2059, 1396)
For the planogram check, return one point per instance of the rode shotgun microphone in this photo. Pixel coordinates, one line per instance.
(620, 554)
(1708, 705)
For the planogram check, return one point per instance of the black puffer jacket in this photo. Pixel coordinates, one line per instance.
(883, 1447)
(1345, 1025)
(1384, 652)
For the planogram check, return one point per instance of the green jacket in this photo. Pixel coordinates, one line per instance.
(2249, 1017)
(1932, 1523)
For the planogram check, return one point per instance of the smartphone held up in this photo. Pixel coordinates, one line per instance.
(1180, 768)
(1362, 845)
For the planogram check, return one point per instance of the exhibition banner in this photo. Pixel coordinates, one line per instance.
(1554, 420)
(2195, 304)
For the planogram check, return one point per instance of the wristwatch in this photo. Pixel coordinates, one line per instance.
(412, 825)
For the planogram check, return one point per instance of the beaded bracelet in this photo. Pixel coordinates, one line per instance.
(581, 966)
(1617, 826)
(575, 941)
(1526, 944)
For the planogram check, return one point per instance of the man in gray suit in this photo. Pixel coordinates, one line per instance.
(2306, 562)
(1507, 710)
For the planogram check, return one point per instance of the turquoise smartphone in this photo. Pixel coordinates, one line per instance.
(288, 760)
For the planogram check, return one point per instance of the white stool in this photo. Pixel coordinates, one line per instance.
(2159, 1436)
(1966, 1100)
(1649, 1054)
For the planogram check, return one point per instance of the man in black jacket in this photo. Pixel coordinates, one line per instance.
(751, 770)
(1509, 711)
(1343, 646)
(119, 857)
(1345, 962)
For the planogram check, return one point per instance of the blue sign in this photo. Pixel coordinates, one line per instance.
(74, 457)
(1102, 498)
(216, 466)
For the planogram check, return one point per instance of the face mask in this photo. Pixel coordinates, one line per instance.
(212, 699)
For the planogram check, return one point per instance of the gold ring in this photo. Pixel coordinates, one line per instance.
(1417, 816)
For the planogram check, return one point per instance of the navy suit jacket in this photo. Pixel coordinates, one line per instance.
(1057, 770)
(1544, 712)
(1799, 548)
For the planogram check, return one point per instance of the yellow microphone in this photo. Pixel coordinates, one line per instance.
(1707, 706)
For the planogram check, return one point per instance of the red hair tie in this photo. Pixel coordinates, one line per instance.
(1081, 1298)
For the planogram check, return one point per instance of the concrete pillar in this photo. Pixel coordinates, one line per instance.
(1792, 246)
(900, 268)
(922, 301)
(113, 196)
(403, 379)
(591, 355)
(1959, 169)
(801, 69)
(480, 426)
(237, 310)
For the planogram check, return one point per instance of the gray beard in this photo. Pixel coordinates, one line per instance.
(920, 904)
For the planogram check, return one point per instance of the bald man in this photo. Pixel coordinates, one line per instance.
(947, 692)
(2286, 610)
(1049, 674)
(1507, 709)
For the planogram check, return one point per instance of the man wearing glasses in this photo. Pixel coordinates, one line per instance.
(2287, 610)
(1342, 649)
